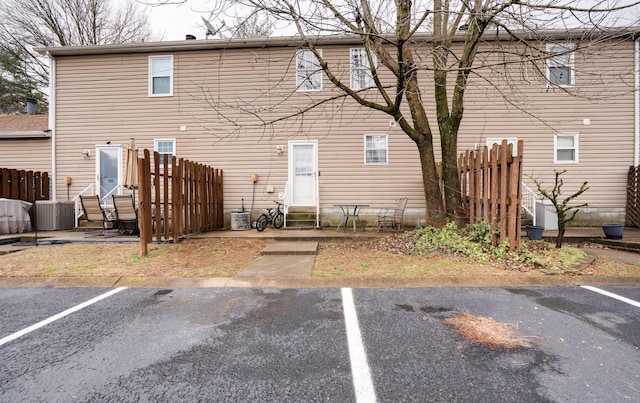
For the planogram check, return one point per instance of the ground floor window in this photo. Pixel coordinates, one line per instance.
(165, 146)
(566, 148)
(375, 149)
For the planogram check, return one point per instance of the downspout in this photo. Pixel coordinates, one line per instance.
(636, 108)
(52, 124)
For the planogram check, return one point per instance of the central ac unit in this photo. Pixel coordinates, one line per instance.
(54, 215)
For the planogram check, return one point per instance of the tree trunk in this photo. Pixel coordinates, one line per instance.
(452, 193)
(560, 239)
(433, 197)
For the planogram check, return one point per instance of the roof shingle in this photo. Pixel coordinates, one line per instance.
(24, 123)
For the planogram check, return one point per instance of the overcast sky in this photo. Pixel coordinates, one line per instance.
(176, 21)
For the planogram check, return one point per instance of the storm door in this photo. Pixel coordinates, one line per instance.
(108, 171)
(303, 168)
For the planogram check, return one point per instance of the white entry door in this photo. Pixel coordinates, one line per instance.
(108, 169)
(303, 169)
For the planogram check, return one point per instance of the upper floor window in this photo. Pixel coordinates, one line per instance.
(361, 74)
(375, 149)
(566, 148)
(308, 71)
(160, 76)
(560, 67)
(165, 147)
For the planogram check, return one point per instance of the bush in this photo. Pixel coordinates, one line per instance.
(472, 241)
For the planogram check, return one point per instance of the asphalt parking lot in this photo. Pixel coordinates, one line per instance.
(332, 344)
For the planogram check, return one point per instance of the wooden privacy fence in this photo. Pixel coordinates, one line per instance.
(491, 189)
(18, 184)
(177, 197)
(633, 197)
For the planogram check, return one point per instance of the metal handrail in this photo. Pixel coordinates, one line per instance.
(90, 190)
(529, 198)
(286, 200)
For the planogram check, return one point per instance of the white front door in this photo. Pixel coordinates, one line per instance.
(108, 169)
(303, 169)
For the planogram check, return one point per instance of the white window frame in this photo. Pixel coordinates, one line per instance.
(356, 71)
(155, 148)
(575, 148)
(555, 61)
(308, 75)
(498, 140)
(386, 149)
(152, 76)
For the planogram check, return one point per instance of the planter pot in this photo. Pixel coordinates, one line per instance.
(534, 232)
(613, 231)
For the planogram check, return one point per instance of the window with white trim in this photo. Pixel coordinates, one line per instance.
(160, 76)
(510, 140)
(165, 146)
(361, 74)
(375, 149)
(308, 71)
(561, 67)
(566, 148)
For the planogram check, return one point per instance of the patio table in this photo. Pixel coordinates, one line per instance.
(350, 211)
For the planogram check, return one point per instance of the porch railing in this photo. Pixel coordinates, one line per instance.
(529, 198)
(90, 190)
(286, 200)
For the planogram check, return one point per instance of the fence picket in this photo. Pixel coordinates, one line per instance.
(184, 195)
(18, 184)
(490, 184)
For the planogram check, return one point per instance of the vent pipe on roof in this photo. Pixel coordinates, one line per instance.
(31, 106)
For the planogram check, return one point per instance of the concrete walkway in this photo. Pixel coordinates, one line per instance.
(289, 261)
(283, 259)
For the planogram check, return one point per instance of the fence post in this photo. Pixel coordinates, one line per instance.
(143, 202)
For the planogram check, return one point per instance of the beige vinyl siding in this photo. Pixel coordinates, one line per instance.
(218, 93)
(27, 154)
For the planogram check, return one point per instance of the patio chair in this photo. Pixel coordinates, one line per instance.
(94, 212)
(391, 218)
(126, 214)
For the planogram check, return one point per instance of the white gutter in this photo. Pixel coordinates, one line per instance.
(52, 124)
(636, 108)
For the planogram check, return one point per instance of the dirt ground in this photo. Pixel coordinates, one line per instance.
(225, 257)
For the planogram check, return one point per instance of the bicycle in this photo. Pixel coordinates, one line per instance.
(275, 217)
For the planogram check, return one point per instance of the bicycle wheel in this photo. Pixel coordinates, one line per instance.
(278, 220)
(261, 223)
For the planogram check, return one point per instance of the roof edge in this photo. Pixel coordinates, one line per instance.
(296, 41)
(25, 134)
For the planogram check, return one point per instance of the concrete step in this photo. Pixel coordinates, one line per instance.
(291, 248)
(283, 259)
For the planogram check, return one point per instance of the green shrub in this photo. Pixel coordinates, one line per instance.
(472, 241)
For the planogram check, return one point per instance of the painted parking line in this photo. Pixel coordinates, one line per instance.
(612, 295)
(53, 318)
(362, 382)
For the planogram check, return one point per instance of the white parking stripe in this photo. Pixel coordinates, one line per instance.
(362, 381)
(53, 318)
(612, 295)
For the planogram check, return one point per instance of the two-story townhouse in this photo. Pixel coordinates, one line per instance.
(242, 105)
(25, 142)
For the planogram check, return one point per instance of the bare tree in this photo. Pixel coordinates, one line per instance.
(253, 26)
(25, 24)
(446, 43)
